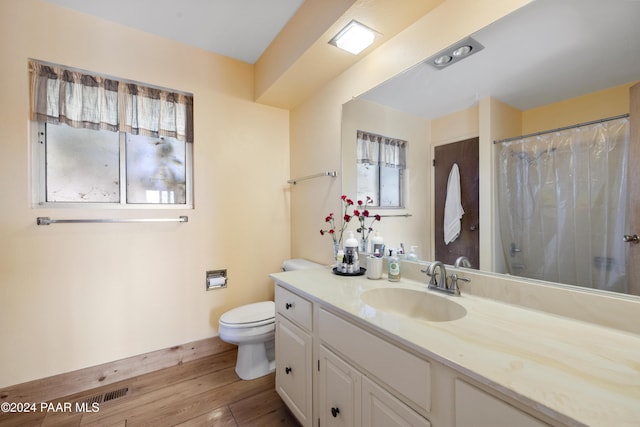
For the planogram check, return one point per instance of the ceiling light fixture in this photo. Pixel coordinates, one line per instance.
(452, 54)
(354, 37)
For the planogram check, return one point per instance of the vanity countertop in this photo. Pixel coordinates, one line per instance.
(575, 372)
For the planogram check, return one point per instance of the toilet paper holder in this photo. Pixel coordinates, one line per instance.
(216, 279)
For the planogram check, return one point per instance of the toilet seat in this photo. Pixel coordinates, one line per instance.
(250, 315)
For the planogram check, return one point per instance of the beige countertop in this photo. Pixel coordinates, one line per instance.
(575, 372)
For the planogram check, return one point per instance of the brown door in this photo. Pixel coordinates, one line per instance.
(465, 154)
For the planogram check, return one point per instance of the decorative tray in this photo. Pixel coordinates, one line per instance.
(357, 273)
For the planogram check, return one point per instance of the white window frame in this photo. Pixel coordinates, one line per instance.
(39, 184)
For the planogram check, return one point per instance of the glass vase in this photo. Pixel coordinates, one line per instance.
(363, 248)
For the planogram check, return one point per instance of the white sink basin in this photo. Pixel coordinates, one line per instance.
(419, 305)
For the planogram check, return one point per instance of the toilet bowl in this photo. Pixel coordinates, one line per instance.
(252, 328)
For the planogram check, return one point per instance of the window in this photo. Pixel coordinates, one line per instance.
(381, 162)
(109, 143)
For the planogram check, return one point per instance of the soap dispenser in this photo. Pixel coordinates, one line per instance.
(394, 267)
(412, 256)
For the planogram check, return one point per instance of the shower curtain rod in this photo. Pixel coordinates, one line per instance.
(593, 122)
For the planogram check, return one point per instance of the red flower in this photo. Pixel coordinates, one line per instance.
(347, 217)
(362, 216)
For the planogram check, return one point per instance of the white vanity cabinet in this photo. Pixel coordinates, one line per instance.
(294, 354)
(348, 398)
(334, 371)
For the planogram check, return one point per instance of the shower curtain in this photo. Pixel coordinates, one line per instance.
(562, 200)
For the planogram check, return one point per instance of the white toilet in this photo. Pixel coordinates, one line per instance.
(252, 328)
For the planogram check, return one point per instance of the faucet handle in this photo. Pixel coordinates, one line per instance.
(455, 278)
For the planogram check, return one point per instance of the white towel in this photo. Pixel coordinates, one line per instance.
(452, 206)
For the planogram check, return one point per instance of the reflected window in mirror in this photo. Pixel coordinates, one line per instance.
(381, 164)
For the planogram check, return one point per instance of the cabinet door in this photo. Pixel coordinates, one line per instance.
(381, 409)
(475, 408)
(339, 390)
(294, 369)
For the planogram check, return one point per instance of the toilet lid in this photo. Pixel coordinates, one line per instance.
(258, 312)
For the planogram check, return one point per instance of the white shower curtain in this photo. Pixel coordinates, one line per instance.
(563, 203)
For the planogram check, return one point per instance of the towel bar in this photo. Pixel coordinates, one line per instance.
(45, 220)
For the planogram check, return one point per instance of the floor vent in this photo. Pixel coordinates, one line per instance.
(105, 397)
(115, 394)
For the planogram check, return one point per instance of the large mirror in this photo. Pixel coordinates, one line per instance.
(548, 65)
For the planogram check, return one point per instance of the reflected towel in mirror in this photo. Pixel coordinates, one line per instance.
(453, 206)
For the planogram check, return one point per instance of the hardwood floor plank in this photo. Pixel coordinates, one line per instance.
(57, 386)
(221, 417)
(263, 409)
(178, 410)
(202, 392)
(21, 419)
(138, 405)
(281, 417)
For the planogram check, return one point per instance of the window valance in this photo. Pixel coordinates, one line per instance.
(85, 100)
(374, 149)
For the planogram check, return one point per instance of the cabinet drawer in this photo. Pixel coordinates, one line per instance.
(293, 307)
(402, 371)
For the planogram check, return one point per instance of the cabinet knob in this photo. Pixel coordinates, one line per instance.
(288, 305)
(287, 370)
(335, 412)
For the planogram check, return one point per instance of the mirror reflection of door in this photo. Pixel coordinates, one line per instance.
(465, 154)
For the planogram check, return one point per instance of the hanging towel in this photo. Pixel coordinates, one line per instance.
(452, 206)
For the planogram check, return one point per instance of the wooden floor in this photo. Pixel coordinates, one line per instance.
(205, 392)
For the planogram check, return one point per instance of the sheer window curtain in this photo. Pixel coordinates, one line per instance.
(84, 100)
(563, 203)
(377, 149)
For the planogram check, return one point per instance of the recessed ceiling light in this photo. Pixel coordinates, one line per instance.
(442, 60)
(354, 37)
(462, 51)
(455, 53)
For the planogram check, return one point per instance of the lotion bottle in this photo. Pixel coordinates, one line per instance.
(394, 267)
(378, 245)
(351, 253)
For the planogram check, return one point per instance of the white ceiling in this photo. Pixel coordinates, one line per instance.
(240, 29)
(545, 52)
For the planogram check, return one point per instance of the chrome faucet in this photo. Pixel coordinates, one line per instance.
(431, 272)
(462, 261)
(440, 282)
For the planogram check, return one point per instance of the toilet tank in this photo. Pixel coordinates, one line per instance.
(299, 264)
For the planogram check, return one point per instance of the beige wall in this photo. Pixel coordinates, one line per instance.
(77, 295)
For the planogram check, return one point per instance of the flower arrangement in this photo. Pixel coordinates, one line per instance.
(363, 216)
(362, 213)
(336, 234)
